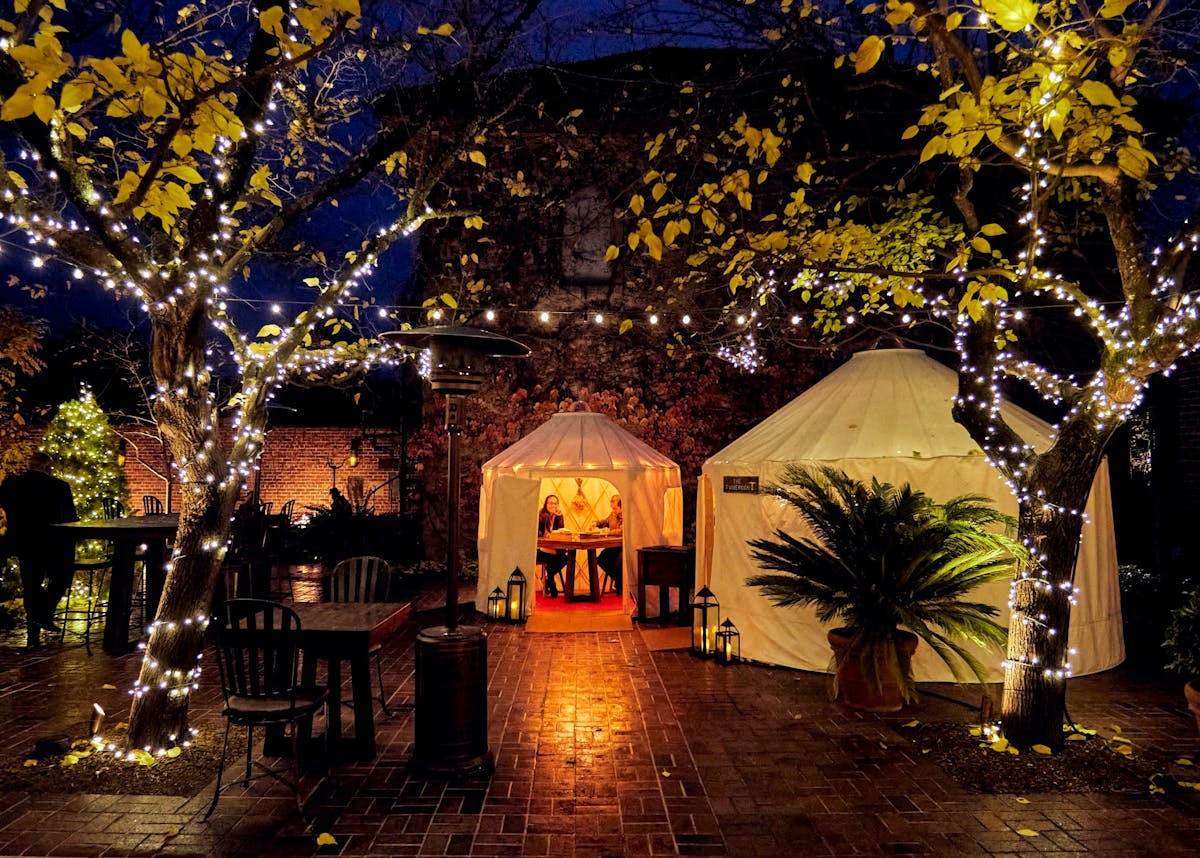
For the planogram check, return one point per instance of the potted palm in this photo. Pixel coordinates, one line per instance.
(1182, 643)
(889, 566)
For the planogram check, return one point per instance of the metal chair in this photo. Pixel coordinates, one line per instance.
(287, 509)
(258, 653)
(151, 505)
(112, 508)
(363, 579)
(92, 591)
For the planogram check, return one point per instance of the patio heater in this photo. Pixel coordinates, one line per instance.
(451, 660)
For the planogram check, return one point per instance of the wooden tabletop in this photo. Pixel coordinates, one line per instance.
(573, 541)
(134, 526)
(350, 621)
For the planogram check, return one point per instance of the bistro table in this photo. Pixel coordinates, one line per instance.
(346, 631)
(126, 534)
(573, 542)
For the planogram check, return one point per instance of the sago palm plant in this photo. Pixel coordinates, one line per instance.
(886, 557)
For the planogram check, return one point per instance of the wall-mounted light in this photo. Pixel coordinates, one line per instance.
(355, 449)
(122, 449)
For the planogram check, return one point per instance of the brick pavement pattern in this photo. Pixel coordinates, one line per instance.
(604, 748)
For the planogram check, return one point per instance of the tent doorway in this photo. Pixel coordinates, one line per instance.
(591, 509)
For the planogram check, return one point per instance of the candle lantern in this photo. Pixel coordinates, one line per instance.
(495, 605)
(516, 596)
(729, 643)
(704, 622)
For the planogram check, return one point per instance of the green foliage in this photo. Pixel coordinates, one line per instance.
(83, 451)
(1182, 638)
(888, 557)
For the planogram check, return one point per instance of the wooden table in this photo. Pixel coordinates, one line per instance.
(571, 543)
(666, 566)
(346, 631)
(126, 534)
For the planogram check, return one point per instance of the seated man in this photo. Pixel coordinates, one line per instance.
(549, 520)
(610, 558)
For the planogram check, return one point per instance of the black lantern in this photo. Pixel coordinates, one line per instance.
(704, 622)
(516, 596)
(495, 608)
(729, 643)
(450, 724)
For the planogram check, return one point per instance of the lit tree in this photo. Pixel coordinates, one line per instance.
(178, 152)
(1031, 152)
(83, 450)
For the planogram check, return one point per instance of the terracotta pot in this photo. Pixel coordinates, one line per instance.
(1192, 692)
(853, 688)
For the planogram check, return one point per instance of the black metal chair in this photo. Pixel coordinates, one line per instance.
(151, 505)
(113, 508)
(258, 653)
(363, 579)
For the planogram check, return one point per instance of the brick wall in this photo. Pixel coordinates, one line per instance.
(293, 466)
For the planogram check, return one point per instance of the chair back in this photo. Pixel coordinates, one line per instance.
(151, 505)
(265, 507)
(360, 579)
(258, 650)
(287, 509)
(112, 508)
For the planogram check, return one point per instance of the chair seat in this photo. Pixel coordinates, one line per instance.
(260, 710)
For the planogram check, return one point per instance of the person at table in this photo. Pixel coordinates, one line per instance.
(549, 520)
(610, 558)
(33, 501)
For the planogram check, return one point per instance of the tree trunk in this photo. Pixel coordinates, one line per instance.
(1042, 594)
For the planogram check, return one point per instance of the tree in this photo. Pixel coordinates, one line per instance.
(1027, 217)
(83, 449)
(20, 343)
(187, 157)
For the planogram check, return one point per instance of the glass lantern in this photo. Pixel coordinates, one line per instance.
(495, 605)
(515, 612)
(704, 622)
(729, 643)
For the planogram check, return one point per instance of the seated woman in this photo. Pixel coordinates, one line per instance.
(549, 520)
(610, 558)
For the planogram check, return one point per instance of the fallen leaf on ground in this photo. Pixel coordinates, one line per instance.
(326, 839)
(1028, 832)
(1022, 800)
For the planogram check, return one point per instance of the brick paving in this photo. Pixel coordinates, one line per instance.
(604, 748)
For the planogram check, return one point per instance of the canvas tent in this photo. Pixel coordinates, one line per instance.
(573, 453)
(883, 414)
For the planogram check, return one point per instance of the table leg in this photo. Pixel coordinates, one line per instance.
(364, 704)
(120, 597)
(569, 577)
(593, 575)
(641, 597)
(156, 575)
(333, 719)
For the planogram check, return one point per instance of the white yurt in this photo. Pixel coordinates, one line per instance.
(584, 459)
(884, 414)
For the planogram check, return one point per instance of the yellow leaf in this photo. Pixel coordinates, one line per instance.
(1117, 56)
(911, 724)
(270, 331)
(976, 731)
(900, 13)
(174, 752)
(1098, 93)
(934, 146)
(192, 176)
(1022, 800)
(1014, 751)
(30, 763)
(1012, 15)
(1077, 737)
(909, 132)
(70, 760)
(477, 157)
(804, 172)
(1123, 750)
(74, 94)
(1114, 8)
(1184, 761)
(1027, 832)
(626, 324)
(954, 20)
(992, 229)
(1041, 749)
(449, 301)
(868, 54)
(121, 725)
(981, 244)
(326, 839)
(636, 204)
(612, 253)
(633, 240)
(654, 246)
(1000, 744)
(444, 30)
